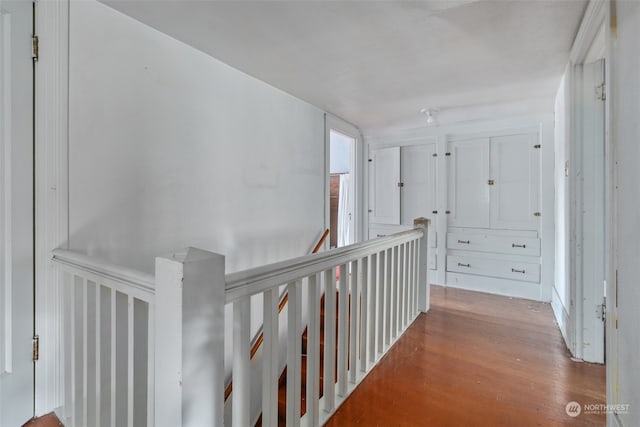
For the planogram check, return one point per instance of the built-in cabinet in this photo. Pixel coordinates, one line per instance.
(403, 186)
(493, 182)
(489, 208)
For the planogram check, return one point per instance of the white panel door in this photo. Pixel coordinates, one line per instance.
(418, 171)
(16, 213)
(419, 191)
(468, 189)
(384, 189)
(515, 170)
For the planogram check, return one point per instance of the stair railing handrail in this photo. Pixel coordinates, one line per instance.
(258, 279)
(137, 281)
(182, 331)
(259, 337)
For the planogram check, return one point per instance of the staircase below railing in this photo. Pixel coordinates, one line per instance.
(165, 352)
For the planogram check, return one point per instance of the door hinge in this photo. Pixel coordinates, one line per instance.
(35, 45)
(447, 154)
(536, 146)
(601, 311)
(36, 348)
(601, 92)
(536, 214)
(371, 160)
(491, 182)
(401, 184)
(434, 155)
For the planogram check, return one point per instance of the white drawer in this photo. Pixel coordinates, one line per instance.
(512, 245)
(495, 267)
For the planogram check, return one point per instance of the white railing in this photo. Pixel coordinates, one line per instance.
(381, 288)
(108, 332)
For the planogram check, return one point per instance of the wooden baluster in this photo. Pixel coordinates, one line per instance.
(130, 328)
(382, 303)
(400, 302)
(151, 364)
(364, 314)
(313, 352)
(293, 353)
(270, 359)
(373, 308)
(329, 340)
(241, 395)
(354, 321)
(112, 366)
(406, 286)
(343, 320)
(388, 295)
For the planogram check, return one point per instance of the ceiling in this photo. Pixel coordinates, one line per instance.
(378, 63)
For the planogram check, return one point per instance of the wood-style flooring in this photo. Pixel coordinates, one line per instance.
(477, 360)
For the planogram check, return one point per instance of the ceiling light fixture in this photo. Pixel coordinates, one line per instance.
(430, 114)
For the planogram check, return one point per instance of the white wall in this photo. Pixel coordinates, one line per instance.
(624, 372)
(170, 148)
(561, 296)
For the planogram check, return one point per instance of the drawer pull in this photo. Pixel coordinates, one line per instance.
(466, 242)
(513, 270)
(518, 246)
(463, 265)
(381, 235)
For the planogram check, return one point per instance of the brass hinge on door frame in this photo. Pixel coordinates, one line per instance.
(36, 348)
(35, 46)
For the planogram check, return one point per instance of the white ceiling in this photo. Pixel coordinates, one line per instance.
(377, 63)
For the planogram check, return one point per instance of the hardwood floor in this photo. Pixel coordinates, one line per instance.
(49, 420)
(477, 360)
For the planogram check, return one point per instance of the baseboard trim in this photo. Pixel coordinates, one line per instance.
(563, 320)
(491, 285)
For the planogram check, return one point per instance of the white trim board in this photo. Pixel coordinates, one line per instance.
(5, 196)
(52, 192)
(563, 320)
(492, 285)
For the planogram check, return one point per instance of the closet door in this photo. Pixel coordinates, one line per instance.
(384, 186)
(419, 191)
(468, 178)
(418, 194)
(515, 166)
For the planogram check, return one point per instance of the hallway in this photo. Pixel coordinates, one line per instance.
(477, 360)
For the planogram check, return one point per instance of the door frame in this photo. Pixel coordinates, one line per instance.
(337, 124)
(17, 285)
(593, 20)
(51, 192)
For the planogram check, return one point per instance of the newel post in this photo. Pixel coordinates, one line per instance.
(423, 283)
(189, 344)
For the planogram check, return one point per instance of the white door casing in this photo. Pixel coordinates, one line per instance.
(384, 194)
(592, 211)
(16, 213)
(468, 189)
